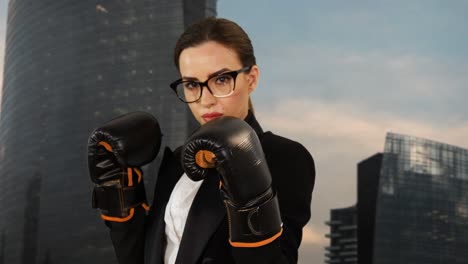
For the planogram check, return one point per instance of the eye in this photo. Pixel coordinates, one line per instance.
(190, 85)
(223, 79)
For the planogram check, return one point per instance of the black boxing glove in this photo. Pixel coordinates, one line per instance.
(115, 152)
(230, 147)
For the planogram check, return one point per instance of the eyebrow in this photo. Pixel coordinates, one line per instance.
(209, 76)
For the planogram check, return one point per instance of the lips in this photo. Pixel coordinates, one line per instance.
(210, 116)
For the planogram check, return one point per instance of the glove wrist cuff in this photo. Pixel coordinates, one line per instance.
(254, 226)
(116, 202)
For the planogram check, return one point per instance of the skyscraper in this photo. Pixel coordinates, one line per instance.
(422, 203)
(413, 203)
(70, 66)
(343, 236)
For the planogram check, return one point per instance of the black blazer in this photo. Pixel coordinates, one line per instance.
(205, 237)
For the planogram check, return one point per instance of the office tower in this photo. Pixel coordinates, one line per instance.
(367, 190)
(343, 236)
(422, 203)
(412, 203)
(70, 66)
(355, 244)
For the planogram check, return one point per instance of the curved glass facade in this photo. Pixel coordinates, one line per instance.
(422, 204)
(69, 67)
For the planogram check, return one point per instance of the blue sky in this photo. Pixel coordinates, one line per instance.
(337, 75)
(354, 50)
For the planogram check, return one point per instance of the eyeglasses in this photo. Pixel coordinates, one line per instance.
(221, 85)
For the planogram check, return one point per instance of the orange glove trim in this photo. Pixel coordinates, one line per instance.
(130, 176)
(145, 206)
(256, 244)
(138, 172)
(119, 219)
(105, 145)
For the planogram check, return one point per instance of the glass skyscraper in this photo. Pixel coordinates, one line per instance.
(412, 204)
(422, 203)
(70, 66)
(367, 192)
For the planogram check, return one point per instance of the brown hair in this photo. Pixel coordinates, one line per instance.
(222, 31)
(219, 30)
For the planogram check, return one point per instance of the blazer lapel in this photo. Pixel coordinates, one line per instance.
(203, 219)
(168, 176)
(155, 239)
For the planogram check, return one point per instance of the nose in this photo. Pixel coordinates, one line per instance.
(207, 98)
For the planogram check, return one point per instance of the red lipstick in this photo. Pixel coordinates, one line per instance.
(210, 116)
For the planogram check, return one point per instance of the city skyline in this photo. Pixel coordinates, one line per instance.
(357, 71)
(411, 207)
(422, 204)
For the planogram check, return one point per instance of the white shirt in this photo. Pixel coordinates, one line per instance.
(177, 209)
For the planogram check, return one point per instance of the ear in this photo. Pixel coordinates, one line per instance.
(252, 78)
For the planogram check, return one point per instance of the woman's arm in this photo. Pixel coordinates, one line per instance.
(128, 238)
(293, 171)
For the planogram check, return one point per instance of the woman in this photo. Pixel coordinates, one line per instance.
(187, 222)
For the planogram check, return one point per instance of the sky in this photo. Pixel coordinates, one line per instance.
(336, 76)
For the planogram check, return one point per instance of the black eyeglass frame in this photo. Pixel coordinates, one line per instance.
(233, 75)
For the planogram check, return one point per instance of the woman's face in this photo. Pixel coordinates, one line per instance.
(203, 61)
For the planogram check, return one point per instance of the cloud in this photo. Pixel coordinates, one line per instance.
(403, 83)
(312, 236)
(313, 243)
(356, 124)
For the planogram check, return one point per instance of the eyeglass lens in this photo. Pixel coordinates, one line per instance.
(219, 85)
